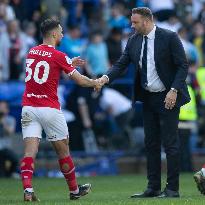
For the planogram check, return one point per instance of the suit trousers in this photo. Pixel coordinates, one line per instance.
(161, 128)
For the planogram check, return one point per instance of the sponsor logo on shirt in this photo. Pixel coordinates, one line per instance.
(29, 95)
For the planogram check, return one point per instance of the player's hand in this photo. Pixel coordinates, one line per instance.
(78, 62)
(100, 83)
(170, 100)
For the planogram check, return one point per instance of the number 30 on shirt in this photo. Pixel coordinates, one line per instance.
(40, 65)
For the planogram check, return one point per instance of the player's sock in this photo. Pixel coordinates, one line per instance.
(68, 169)
(27, 167)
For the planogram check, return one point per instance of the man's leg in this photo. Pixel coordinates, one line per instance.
(31, 131)
(68, 169)
(66, 163)
(153, 153)
(170, 140)
(27, 167)
(153, 147)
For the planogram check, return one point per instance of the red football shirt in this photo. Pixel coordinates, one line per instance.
(43, 68)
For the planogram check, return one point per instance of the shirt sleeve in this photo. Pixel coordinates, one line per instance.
(65, 63)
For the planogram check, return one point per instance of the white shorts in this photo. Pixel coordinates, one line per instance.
(51, 120)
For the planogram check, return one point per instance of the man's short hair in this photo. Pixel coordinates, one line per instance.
(143, 11)
(48, 25)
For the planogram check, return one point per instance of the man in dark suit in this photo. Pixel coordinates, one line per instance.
(161, 70)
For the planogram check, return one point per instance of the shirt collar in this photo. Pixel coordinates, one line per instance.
(151, 34)
(48, 45)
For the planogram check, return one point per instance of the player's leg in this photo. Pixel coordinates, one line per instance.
(31, 130)
(56, 130)
(27, 167)
(66, 163)
(199, 178)
(68, 169)
(27, 163)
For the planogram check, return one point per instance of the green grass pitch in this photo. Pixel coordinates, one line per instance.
(108, 190)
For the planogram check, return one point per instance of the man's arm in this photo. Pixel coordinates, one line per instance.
(120, 66)
(180, 61)
(117, 69)
(82, 80)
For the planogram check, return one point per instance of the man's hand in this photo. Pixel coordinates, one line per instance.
(78, 62)
(100, 82)
(170, 99)
(98, 85)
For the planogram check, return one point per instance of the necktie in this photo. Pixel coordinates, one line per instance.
(144, 65)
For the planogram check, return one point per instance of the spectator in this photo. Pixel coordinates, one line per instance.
(72, 44)
(190, 48)
(10, 14)
(36, 19)
(29, 36)
(187, 123)
(121, 112)
(77, 17)
(97, 55)
(196, 7)
(201, 16)
(4, 56)
(17, 49)
(50, 8)
(184, 12)
(2, 18)
(118, 19)
(19, 9)
(8, 159)
(199, 41)
(172, 23)
(200, 77)
(114, 44)
(99, 19)
(162, 9)
(125, 36)
(83, 103)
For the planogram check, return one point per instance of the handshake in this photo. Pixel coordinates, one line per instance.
(100, 82)
(97, 84)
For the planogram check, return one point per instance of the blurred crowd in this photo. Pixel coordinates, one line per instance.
(97, 30)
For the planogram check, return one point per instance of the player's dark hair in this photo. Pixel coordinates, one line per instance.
(143, 11)
(48, 25)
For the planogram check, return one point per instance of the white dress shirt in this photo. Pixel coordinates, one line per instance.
(153, 80)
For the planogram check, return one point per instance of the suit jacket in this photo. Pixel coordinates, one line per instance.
(170, 61)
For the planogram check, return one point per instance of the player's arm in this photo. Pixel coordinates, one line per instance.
(82, 80)
(68, 66)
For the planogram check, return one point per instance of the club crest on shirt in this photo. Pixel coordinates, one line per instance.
(68, 60)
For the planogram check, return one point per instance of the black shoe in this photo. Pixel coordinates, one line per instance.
(83, 190)
(169, 193)
(147, 193)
